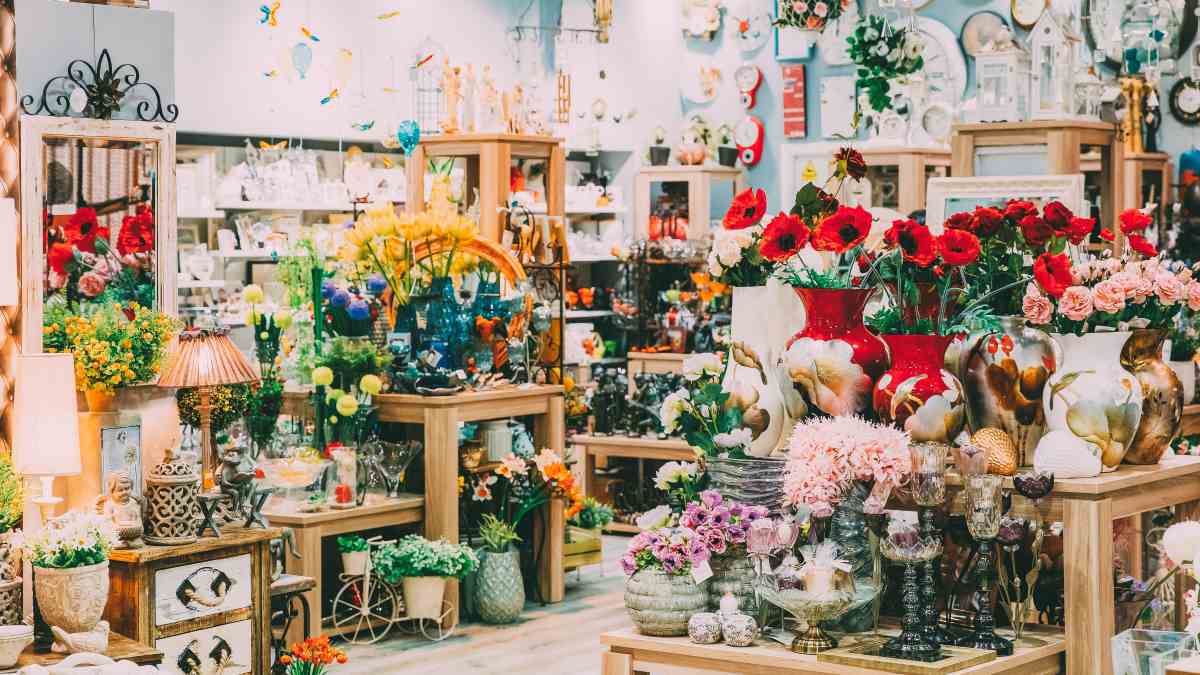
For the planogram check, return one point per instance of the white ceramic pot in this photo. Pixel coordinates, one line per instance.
(423, 597)
(13, 639)
(72, 599)
(1186, 371)
(354, 563)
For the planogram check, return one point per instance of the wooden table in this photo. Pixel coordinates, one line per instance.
(1087, 508)
(630, 652)
(120, 648)
(1191, 420)
(311, 528)
(593, 447)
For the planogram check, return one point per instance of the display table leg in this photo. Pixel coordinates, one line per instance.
(441, 486)
(1088, 585)
(549, 431)
(614, 663)
(308, 545)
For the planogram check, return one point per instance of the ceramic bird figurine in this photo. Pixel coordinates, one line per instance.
(95, 640)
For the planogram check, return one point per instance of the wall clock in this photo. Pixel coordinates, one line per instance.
(748, 78)
(1185, 101)
(749, 135)
(945, 68)
(980, 31)
(1025, 13)
(937, 120)
(1110, 25)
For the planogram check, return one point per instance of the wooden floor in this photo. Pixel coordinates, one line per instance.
(548, 640)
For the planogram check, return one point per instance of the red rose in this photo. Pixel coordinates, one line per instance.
(1133, 220)
(1057, 216)
(747, 208)
(137, 233)
(987, 221)
(1107, 234)
(961, 221)
(914, 240)
(1142, 245)
(783, 237)
(843, 230)
(1036, 231)
(1018, 209)
(850, 163)
(58, 256)
(1053, 273)
(1080, 229)
(958, 247)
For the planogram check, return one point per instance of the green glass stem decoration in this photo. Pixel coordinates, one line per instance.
(318, 275)
(848, 527)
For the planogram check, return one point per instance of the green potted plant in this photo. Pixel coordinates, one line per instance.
(660, 152)
(354, 550)
(583, 534)
(726, 151)
(70, 569)
(499, 587)
(422, 567)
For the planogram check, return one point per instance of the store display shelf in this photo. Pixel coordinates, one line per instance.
(211, 283)
(284, 206)
(574, 314)
(606, 361)
(635, 447)
(598, 211)
(576, 152)
(200, 214)
(594, 259)
(622, 528)
(1191, 420)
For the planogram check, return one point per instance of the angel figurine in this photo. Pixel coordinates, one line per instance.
(452, 88)
(124, 508)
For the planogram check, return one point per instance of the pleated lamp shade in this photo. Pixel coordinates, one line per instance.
(202, 358)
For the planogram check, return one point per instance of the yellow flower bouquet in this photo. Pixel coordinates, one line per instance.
(117, 347)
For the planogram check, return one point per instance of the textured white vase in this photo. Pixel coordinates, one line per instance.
(750, 334)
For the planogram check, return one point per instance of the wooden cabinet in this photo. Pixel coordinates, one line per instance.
(206, 602)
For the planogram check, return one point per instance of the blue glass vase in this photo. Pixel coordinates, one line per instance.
(445, 323)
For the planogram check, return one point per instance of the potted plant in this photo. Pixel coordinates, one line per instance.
(499, 587)
(583, 545)
(662, 591)
(727, 152)
(354, 550)
(723, 525)
(70, 569)
(660, 152)
(312, 656)
(422, 567)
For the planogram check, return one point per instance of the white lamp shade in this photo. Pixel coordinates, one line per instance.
(45, 421)
(8, 253)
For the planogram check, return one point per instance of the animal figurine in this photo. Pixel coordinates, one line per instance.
(95, 640)
(280, 546)
(236, 478)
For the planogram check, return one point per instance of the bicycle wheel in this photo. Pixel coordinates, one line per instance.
(363, 627)
(433, 629)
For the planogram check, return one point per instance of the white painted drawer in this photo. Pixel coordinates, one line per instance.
(227, 649)
(200, 589)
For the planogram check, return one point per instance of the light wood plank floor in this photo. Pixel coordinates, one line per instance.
(547, 640)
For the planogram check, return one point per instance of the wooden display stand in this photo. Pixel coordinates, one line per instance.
(144, 599)
(1138, 181)
(1063, 140)
(593, 447)
(656, 362)
(311, 528)
(914, 168)
(1191, 420)
(630, 652)
(489, 160)
(120, 648)
(699, 181)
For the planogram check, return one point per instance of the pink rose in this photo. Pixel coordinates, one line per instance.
(820, 9)
(1169, 288)
(1035, 306)
(1108, 296)
(799, 7)
(91, 284)
(1076, 303)
(1194, 296)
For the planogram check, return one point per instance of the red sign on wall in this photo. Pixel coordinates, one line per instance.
(793, 101)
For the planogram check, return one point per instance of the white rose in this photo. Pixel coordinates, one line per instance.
(738, 438)
(870, 35)
(881, 49)
(659, 516)
(913, 47)
(672, 407)
(702, 365)
(728, 247)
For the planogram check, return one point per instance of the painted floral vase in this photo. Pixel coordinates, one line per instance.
(72, 598)
(750, 378)
(1004, 375)
(834, 361)
(732, 573)
(917, 393)
(1162, 396)
(1093, 398)
(661, 604)
(499, 587)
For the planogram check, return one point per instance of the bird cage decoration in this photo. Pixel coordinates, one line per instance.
(1054, 48)
(425, 77)
(1002, 84)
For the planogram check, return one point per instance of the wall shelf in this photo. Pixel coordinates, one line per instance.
(285, 206)
(587, 313)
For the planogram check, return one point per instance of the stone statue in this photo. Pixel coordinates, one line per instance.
(452, 89)
(470, 107)
(236, 478)
(124, 508)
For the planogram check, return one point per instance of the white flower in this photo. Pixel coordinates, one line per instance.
(825, 372)
(674, 472)
(870, 35)
(913, 46)
(702, 365)
(659, 516)
(672, 407)
(1181, 540)
(738, 438)
(881, 49)
(715, 268)
(728, 246)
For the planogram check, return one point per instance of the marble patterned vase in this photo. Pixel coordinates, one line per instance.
(660, 604)
(1162, 396)
(74, 598)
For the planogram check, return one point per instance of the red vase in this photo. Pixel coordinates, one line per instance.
(835, 360)
(918, 394)
(929, 300)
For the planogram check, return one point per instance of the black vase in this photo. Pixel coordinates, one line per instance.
(659, 155)
(727, 156)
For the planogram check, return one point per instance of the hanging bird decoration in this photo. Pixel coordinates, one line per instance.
(270, 14)
(332, 95)
(388, 15)
(363, 126)
(309, 34)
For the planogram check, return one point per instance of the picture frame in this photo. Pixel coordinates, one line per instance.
(121, 450)
(947, 196)
(792, 44)
(189, 234)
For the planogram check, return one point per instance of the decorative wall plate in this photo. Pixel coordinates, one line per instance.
(937, 121)
(752, 31)
(945, 68)
(1025, 13)
(1184, 100)
(701, 18)
(980, 29)
(701, 81)
(1110, 25)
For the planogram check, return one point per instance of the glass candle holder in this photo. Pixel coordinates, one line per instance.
(984, 505)
(929, 473)
(928, 484)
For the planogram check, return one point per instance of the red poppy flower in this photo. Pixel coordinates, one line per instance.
(783, 237)
(1133, 220)
(1017, 210)
(1053, 273)
(1142, 245)
(82, 229)
(747, 208)
(843, 230)
(1107, 234)
(137, 233)
(58, 256)
(1057, 216)
(987, 221)
(1080, 229)
(914, 240)
(850, 163)
(1036, 231)
(961, 221)
(958, 247)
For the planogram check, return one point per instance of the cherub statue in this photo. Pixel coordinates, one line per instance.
(452, 89)
(124, 508)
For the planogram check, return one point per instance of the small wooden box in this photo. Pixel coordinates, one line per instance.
(583, 548)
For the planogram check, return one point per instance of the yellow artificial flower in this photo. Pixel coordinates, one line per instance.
(371, 384)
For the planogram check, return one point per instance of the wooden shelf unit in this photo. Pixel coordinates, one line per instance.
(699, 181)
(593, 447)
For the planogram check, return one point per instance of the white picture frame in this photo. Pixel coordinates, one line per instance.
(121, 450)
(947, 196)
(837, 97)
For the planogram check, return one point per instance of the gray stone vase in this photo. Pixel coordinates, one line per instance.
(661, 604)
(499, 588)
(732, 573)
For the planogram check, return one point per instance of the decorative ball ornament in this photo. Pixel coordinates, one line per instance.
(1001, 452)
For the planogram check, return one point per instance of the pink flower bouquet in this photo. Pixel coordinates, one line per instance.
(673, 550)
(722, 525)
(826, 454)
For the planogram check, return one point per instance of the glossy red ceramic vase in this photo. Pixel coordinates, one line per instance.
(917, 393)
(834, 361)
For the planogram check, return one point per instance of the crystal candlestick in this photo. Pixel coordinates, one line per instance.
(905, 545)
(929, 492)
(985, 506)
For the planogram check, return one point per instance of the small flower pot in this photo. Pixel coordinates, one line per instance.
(354, 563)
(13, 640)
(660, 604)
(423, 597)
(727, 156)
(72, 599)
(659, 155)
(99, 400)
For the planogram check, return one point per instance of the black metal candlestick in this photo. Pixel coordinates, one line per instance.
(930, 582)
(983, 635)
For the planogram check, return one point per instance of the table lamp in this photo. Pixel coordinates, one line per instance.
(45, 423)
(204, 359)
(9, 287)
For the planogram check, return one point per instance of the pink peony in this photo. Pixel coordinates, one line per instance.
(91, 284)
(1108, 296)
(1035, 306)
(1169, 288)
(1194, 296)
(1076, 303)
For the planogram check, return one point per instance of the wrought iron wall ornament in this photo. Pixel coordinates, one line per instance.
(106, 89)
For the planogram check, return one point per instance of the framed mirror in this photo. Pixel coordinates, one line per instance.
(1113, 25)
(97, 217)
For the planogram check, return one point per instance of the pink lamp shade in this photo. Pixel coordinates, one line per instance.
(9, 289)
(45, 421)
(205, 358)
